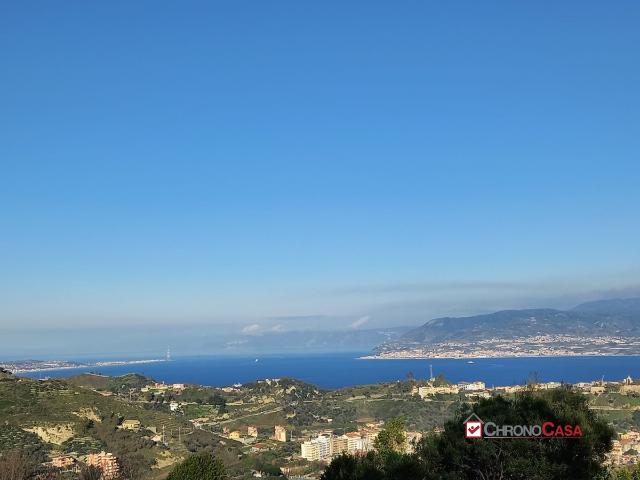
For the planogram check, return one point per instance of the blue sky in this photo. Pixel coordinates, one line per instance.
(240, 161)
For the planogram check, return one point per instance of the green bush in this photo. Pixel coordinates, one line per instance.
(201, 466)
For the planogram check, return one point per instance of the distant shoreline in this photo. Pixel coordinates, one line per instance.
(64, 366)
(484, 357)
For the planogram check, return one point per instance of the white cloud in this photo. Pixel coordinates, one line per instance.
(252, 329)
(360, 322)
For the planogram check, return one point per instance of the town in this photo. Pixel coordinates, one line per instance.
(526, 346)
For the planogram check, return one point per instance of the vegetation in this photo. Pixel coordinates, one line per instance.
(201, 466)
(392, 438)
(450, 456)
(90, 411)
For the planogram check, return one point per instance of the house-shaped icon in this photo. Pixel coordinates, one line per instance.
(473, 426)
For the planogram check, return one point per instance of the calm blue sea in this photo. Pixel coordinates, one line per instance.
(344, 369)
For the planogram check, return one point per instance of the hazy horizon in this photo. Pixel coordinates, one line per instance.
(173, 173)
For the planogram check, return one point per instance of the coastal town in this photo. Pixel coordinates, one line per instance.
(559, 345)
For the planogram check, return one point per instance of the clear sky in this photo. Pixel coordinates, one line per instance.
(231, 162)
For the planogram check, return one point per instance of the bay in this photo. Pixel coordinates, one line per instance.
(345, 369)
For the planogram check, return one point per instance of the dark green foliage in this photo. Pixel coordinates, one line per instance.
(393, 436)
(201, 440)
(12, 438)
(635, 417)
(347, 467)
(128, 446)
(449, 456)
(450, 453)
(441, 381)
(626, 473)
(201, 466)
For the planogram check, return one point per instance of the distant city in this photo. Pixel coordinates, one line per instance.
(532, 346)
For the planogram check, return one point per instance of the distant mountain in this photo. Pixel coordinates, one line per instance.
(617, 306)
(619, 317)
(316, 341)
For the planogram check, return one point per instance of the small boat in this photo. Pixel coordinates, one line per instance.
(256, 360)
(471, 361)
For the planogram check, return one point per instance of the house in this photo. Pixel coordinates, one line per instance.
(131, 425)
(63, 462)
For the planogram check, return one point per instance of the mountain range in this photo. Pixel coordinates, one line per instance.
(615, 317)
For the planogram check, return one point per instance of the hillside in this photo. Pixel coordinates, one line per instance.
(607, 318)
(53, 417)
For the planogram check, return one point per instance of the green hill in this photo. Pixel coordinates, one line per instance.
(55, 416)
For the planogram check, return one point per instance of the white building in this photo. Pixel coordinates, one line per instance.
(317, 449)
(472, 386)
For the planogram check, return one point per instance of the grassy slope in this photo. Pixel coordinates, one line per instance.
(26, 403)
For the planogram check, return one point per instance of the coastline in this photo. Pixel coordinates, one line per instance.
(87, 365)
(485, 357)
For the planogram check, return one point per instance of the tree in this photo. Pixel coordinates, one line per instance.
(393, 437)
(348, 467)
(201, 466)
(450, 456)
(90, 472)
(440, 381)
(15, 465)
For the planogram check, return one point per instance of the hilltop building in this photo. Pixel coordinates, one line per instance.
(131, 425)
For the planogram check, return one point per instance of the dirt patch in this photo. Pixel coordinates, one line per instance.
(165, 459)
(89, 414)
(57, 434)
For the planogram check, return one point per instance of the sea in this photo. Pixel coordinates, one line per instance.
(338, 370)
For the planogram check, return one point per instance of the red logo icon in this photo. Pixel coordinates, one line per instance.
(473, 427)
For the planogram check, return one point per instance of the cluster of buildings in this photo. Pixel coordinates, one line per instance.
(280, 434)
(432, 389)
(479, 389)
(163, 387)
(626, 449)
(107, 463)
(524, 346)
(328, 445)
